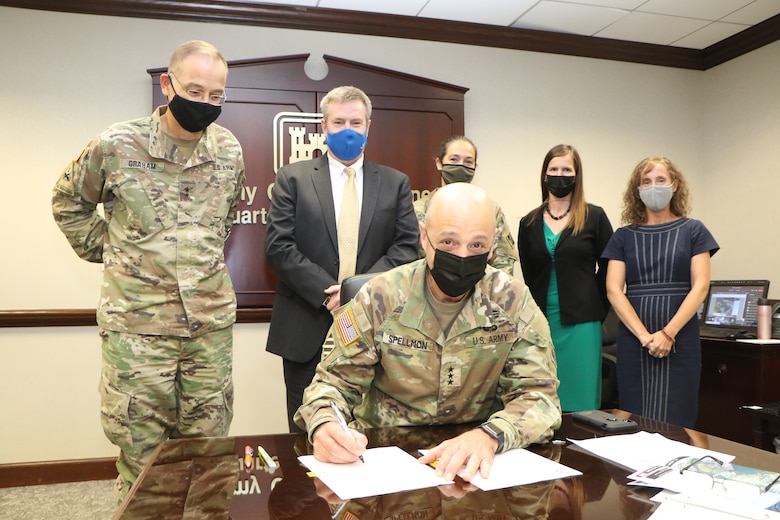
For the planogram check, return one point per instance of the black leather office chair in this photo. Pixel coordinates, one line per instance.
(609, 389)
(350, 286)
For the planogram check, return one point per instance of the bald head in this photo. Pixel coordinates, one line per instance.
(460, 199)
(460, 220)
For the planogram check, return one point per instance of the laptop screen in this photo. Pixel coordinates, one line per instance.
(733, 303)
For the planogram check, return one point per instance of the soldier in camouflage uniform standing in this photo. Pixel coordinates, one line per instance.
(445, 339)
(169, 185)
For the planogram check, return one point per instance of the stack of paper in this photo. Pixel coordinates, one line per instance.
(723, 487)
(710, 495)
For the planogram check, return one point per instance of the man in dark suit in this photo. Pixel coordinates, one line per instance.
(303, 237)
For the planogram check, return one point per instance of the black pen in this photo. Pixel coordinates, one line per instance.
(343, 424)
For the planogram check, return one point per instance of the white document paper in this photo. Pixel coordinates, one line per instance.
(674, 507)
(386, 470)
(520, 467)
(642, 450)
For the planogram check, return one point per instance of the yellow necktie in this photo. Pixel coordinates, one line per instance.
(349, 222)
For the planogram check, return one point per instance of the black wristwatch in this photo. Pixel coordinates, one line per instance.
(495, 432)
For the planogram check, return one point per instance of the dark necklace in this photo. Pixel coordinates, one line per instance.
(559, 217)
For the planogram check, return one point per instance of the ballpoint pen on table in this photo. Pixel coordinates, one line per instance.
(343, 423)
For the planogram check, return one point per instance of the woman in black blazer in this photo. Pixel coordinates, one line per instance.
(560, 243)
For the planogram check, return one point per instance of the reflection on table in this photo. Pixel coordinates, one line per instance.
(210, 478)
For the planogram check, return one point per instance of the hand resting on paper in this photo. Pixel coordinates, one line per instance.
(475, 449)
(333, 444)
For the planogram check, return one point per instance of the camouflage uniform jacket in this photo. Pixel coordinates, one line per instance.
(393, 366)
(504, 250)
(166, 220)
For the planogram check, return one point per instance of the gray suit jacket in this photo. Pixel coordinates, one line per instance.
(302, 247)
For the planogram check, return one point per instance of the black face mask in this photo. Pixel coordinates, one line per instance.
(193, 116)
(456, 275)
(560, 185)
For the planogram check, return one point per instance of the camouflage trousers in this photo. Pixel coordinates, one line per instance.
(157, 387)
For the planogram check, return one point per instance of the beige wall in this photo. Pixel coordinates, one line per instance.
(66, 77)
(740, 180)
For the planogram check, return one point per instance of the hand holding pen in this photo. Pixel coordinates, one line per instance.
(343, 424)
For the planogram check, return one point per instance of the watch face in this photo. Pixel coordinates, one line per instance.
(496, 433)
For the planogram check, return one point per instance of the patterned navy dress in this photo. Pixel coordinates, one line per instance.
(658, 278)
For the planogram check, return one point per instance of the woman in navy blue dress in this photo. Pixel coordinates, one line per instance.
(662, 260)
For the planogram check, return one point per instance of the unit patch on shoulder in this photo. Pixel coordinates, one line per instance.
(345, 323)
(67, 182)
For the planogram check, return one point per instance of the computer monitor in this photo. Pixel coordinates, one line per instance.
(733, 303)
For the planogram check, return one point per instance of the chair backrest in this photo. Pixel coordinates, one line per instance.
(609, 388)
(350, 286)
(609, 328)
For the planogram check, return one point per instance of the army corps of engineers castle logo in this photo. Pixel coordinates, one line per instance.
(291, 125)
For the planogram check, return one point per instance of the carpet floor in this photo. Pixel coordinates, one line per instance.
(94, 500)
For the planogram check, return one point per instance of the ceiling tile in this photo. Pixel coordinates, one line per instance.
(401, 7)
(754, 13)
(709, 35)
(494, 12)
(651, 28)
(682, 23)
(629, 5)
(702, 9)
(568, 17)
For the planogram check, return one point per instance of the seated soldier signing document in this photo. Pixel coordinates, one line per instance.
(442, 340)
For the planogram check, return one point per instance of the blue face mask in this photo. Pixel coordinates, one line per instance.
(346, 144)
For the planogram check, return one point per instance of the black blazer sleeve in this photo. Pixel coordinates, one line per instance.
(390, 236)
(295, 218)
(534, 259)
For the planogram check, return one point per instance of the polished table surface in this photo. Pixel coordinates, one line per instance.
(208, 479)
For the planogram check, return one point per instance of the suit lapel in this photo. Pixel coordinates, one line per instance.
(372, 182)
(320, 178)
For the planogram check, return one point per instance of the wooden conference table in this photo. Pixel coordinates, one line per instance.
(208, 479)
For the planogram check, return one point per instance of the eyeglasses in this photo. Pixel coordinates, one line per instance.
(710, 478)
(199, 95)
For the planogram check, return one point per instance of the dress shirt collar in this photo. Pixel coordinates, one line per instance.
(337, 168)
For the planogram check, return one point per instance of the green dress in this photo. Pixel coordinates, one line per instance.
(577, 348)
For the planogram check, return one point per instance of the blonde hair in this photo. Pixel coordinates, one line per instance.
(634, 210)
(343, 95)
(193, 47)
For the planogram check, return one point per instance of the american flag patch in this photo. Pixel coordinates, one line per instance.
(347, 329)
(349, 515)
